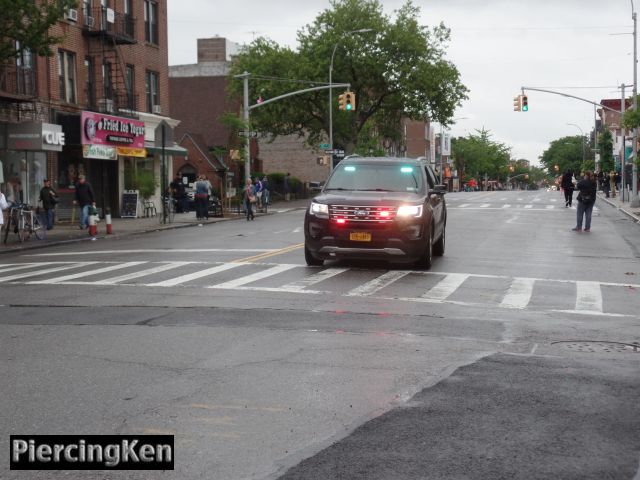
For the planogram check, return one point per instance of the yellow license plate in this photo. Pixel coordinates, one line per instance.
(360, 236)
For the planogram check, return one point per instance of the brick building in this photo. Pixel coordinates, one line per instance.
(92, 108)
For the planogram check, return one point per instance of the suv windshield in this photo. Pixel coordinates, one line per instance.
(376, 177)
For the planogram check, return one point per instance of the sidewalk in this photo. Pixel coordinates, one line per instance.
(64, 233)
(624, 207)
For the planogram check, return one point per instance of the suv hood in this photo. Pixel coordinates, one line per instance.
(367, 198)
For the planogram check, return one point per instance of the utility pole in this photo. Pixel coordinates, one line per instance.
(624, 143)
(245, 117)
(635, 202)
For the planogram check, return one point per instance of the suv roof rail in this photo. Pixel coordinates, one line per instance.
(353, 155)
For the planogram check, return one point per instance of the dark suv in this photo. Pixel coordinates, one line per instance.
(377, 208)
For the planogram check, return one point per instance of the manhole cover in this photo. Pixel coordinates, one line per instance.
(593, 346)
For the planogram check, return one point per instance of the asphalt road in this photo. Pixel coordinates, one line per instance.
(263, 367)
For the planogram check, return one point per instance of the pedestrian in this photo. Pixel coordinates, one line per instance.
(567, 186)
(618, 181)
(3, 206)
(287, 195)
(85, 198)
(201, 198)
(265, 189)
(249, 198)
(179, 195)
(586, 199)
(49, 198)
(258, 190)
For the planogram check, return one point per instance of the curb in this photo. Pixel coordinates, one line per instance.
(626, 212)
(158, 228)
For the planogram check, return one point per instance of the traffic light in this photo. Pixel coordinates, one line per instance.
(342, 101)
(516, 103)
(350, 101)
(525, 103)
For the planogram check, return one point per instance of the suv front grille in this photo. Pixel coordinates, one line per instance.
(351, 213)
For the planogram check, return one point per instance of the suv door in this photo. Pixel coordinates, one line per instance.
(436, 200)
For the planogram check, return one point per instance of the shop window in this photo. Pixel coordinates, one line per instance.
(23, 175)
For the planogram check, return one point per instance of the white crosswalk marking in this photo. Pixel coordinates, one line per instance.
(446, 286)
(528, 206)
(74, 276)
(519, 294)
(506, 205)
(464, 205)
(377, 283)
(485, 205)
(313, 279)
(141, 273)
(172, 282)
(550, 207)
(45, 271)
(13, 267)
(239, 282)
(589, 297)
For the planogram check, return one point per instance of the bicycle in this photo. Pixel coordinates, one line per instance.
(24, 222)
(170, 208)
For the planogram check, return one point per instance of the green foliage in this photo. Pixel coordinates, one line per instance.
(566, 153)
(477, 155)
(142, 180)
(397, 70)
(605, 141)
(28, 22)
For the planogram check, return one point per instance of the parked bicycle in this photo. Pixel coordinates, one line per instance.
(170, 208)
(24, 221)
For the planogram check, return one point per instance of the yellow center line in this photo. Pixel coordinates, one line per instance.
(262, 256)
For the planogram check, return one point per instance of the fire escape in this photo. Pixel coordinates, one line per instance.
(109, 90)
(18, 92)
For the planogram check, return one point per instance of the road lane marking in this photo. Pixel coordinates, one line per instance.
(36, 273)
(238, 282)
(154, 250)
(519, 294)
(12, 267)
(588, 297)
(300, 285)
(172, 282)
(550, 207)
(446, 286)
(506, 205)
(377, 283)
(141, 273)
(464, 205)
(528, 206)
(74, 276)
(271, 253)
(485, 205)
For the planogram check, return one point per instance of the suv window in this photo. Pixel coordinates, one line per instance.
(376, 177)
(431, 178)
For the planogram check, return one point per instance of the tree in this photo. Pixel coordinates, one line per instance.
(606, 151)
(25, 24)
(565, 153)
(477, 155)
(397, 70)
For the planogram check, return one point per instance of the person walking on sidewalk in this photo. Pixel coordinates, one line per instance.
(567, 186)
(85, 198)
(612, 183)
(586, 199)
(249, 198)
(201, 198)
(3, 206)
(49, 198)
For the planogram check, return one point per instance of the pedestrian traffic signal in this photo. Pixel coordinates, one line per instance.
(516, 103)
(350, 101)
(525, 103)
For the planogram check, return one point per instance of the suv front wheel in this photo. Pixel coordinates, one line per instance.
(310, 259)
(427, 257)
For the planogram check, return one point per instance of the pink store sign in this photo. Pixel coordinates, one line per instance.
(99, 129)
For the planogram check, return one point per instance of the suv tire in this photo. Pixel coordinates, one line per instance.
(310, 259)
(427, 257)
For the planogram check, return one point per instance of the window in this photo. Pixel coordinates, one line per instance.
(67, 76)
(151, 21)
(106, 80)
(87, 13)
(91, 81)
(153, 96)
(25, 76)
(130, 85)
(128, 18)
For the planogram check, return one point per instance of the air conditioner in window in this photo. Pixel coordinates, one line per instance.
(72, 14)
(157, 109)
(89, 21)
(105, 105)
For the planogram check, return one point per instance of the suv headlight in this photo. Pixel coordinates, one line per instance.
(319, 210)
(409, 211)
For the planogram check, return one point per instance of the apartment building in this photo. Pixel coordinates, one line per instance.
(92, 108)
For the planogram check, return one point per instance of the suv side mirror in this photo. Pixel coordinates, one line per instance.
(440, 189)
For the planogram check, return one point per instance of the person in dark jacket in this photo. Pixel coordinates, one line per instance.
(586, 199)
(85, 198)
(568, 187)
(49, 198)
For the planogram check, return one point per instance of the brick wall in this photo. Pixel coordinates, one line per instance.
(288, 154)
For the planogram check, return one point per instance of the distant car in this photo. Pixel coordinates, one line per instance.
(377, 208)
(315, 186)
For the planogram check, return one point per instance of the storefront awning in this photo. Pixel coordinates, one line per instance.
(174, 149)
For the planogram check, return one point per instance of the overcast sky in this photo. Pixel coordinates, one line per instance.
(580, 47)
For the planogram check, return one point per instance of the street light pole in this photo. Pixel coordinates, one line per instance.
(333, 54)
(581, 140)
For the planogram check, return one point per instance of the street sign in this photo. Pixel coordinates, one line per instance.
(325, 146)
(334, 152)
(246, 133)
